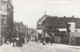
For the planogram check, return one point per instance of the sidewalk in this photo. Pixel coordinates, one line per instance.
(60, 45)
(64, 45)
(9, 48)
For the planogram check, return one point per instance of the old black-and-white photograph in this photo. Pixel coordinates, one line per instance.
(39, 25)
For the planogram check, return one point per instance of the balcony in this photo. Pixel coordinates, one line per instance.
(39, 26)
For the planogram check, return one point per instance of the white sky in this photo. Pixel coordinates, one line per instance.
(30, 11)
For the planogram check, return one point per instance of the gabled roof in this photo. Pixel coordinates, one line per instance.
(56, 22)
(42, 19)
(59, 22)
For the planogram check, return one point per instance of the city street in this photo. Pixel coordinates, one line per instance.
(38, 47)
(39, 26)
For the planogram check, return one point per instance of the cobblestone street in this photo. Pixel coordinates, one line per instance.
(37, 47)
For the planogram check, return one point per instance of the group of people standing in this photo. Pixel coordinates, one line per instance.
(14, 41)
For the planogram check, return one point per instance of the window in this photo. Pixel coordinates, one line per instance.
(3, 20)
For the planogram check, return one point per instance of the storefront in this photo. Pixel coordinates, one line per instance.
(75, 38)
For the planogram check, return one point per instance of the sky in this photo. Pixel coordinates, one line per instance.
(30, 11)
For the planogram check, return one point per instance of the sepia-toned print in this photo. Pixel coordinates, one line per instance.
(39, 26)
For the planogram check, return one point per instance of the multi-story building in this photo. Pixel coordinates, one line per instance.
(32, 33)
(66, 28)
(58, 22)
(20, 30)
(6, 19)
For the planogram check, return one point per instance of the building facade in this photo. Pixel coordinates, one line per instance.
(59, 26)
(20, 31)
(6, 20)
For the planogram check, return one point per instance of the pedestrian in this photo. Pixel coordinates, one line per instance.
(43, 40)
(10, 41)
(14, 42)
(52, 38)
